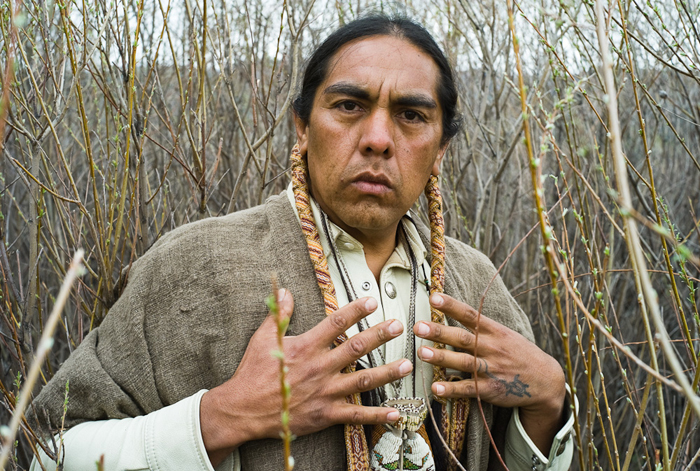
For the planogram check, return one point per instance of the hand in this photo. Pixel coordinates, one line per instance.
(508, 369)
(248, 406)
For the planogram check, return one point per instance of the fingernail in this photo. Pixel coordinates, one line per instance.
(371, 304)
(426, 353)
(439, 389)
(436, 300)
(395, 328)
(405, 367)
(423, 328)
(281, 293)
(392, 416)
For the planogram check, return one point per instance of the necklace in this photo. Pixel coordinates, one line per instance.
(402, 436)
(409, 349)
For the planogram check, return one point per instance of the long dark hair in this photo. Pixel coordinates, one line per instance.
(381, 25)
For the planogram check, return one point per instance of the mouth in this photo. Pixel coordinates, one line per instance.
(373, 184)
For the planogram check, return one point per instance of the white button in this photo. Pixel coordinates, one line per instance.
(366, 286)
(349, 245)
(390, 289)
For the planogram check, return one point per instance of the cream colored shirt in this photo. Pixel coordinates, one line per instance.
(171, 439)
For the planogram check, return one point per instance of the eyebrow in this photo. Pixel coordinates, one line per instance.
(344, 88)
(349, 89)
(416, 101)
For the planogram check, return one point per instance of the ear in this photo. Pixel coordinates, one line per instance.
(436, 165)
(302, 129)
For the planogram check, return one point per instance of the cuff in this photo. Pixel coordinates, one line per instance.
(522, 453)
(173, 438)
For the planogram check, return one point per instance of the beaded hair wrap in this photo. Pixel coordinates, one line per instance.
(437, 262)
(452, 429)
(355, 442)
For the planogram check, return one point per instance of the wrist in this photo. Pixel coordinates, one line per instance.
(549, 412)
(547, 409)
(221, 432)
(549, 405)
(542, 419)
(213, 430)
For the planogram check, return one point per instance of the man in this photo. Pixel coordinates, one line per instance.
(182, 363)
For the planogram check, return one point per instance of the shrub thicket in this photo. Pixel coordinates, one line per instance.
(123, 120)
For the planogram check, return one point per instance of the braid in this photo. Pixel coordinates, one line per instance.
(308, 227)
(453, 430)
(355, 442)
(437, 251)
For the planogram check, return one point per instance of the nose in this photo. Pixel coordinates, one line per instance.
(377, 134)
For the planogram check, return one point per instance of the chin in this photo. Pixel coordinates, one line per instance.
(370, 218)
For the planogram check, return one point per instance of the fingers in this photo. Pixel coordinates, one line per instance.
(285, 302)
(371, 378)
(459, 311)
(505, 392)
(455, 360)
(338, 322)
(464, 388)
(361, 344)
(363, 415)
(455, 336)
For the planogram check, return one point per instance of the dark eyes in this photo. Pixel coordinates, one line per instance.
(411, 115)
(408, 115)
(348, 106)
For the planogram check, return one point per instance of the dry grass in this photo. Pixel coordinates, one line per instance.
(124, 120)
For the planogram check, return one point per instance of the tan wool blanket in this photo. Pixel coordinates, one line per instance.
(191, 304)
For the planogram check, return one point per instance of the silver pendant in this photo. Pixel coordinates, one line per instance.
(412, 412)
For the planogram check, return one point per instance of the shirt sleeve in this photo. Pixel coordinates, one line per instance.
(167, 439)
(521, 454)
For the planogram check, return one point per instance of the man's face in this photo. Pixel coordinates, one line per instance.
(374, 133)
